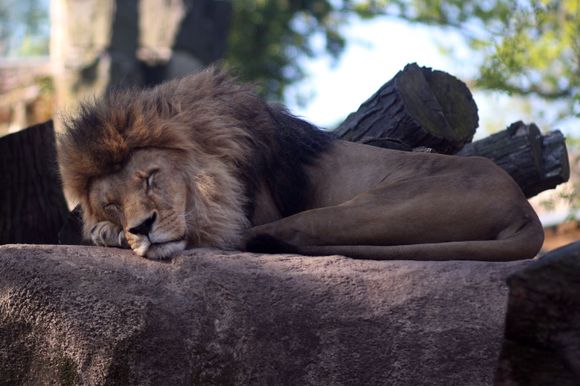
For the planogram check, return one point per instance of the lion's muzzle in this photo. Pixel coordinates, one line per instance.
(148, 239)
(144, 227)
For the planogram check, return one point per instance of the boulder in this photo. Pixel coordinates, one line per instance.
(542, 333)
(90, 315)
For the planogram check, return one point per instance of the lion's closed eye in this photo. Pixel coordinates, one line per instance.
(150, 180)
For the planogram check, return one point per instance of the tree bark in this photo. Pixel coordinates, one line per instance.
(419, 107)
(542, 340)
(534, 161)
(99, 45)
(32, 204)
(556, 161)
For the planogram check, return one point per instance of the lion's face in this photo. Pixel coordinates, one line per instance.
(145, 202)
(166, 168)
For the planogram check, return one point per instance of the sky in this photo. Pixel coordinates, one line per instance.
(380, 47)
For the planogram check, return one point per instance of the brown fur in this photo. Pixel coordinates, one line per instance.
(187, 116)
(205, 162)
(225, 137)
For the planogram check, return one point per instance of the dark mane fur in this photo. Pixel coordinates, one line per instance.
(297, 143)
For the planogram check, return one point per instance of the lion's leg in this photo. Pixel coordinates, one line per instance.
(388, 216)
(420, 211)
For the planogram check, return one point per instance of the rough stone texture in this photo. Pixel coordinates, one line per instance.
(542, 335)
(89, 315)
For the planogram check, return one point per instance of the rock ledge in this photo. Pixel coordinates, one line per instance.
(89, 315)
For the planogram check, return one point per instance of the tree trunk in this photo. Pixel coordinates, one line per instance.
(107, 44)
(542, 340)
(419, 107)
(32, 205)
(535, 162)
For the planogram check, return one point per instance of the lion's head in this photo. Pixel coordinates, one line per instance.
(162, 168)
(144, 203)
(179, 165)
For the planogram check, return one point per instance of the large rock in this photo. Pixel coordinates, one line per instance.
(542, 335)
(88, 315)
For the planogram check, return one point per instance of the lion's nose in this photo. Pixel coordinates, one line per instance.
(145, 227)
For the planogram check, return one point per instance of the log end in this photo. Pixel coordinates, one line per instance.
(418, 107)
(441, 104)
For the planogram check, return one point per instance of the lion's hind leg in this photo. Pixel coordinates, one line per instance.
(514, 248)
(521, 245)
(419, 219)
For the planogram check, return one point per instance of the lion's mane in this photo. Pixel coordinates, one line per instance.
(230, 140)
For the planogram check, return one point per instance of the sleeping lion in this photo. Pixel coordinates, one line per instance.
(203, 162)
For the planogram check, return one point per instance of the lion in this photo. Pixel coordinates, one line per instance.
(203, 162)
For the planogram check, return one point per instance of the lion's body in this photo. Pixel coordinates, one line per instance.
(203, 162)
(404, 205)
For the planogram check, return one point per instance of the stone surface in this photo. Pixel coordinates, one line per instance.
(542, 335)
(89, 315)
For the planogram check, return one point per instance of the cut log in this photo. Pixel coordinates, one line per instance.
(542, 339)
(419, 107)
(556, 161)
(535, 162)
(32, 204)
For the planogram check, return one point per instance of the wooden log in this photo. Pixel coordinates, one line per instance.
(535, 162)
(542, 340)
(419, 107)
(556, 161)
(32, 204)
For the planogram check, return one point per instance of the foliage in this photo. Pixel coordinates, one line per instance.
(24, 27)
(268, 39)
(565, 195)
(529, 47)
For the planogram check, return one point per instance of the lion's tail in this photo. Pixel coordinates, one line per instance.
(522, 243)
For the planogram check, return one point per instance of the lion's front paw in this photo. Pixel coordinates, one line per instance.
(107, 234)
(139, 244)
